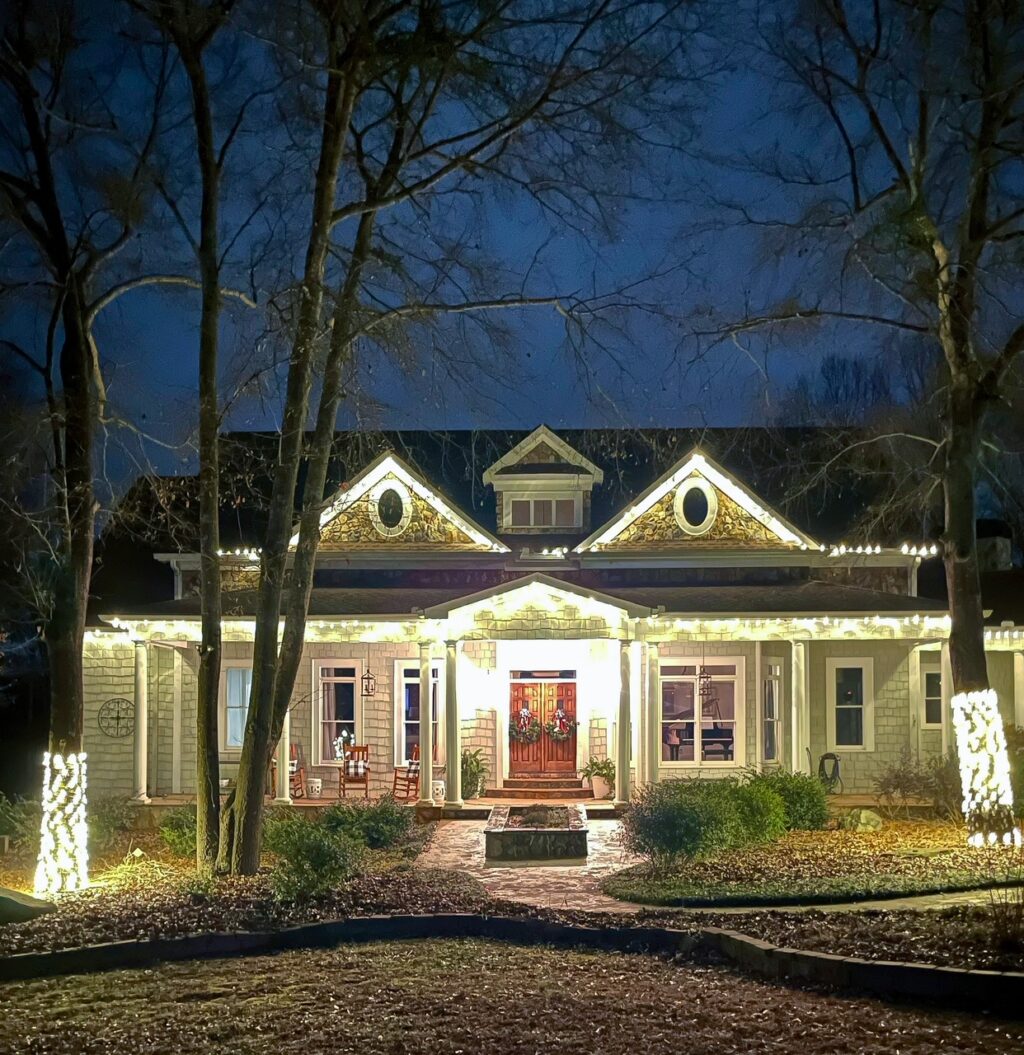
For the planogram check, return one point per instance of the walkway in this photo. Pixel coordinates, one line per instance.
(459, 845)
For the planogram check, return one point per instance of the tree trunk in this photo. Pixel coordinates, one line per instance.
(960, 555)
(242, 814)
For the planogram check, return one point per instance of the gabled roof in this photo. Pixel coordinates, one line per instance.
(388, 464)
(571, 458)
(552, 583)
(698, 463)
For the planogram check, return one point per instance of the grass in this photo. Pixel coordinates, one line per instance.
(445, 997)
(906, 858)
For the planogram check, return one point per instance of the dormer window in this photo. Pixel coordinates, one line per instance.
(543, 486)
(528, 511)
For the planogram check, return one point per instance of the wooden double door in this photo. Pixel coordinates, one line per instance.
(544, 700)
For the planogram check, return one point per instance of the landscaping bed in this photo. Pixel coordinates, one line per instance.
(904, 858)
(464, 995)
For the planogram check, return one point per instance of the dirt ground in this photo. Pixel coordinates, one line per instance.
(465, 996)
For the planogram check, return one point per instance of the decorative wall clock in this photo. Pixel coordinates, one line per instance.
(117, 717)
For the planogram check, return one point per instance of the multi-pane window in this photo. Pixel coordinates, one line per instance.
(696, 726)
(771, 719)
(931, 687)
(850, 703)
(542, 512)
(236, 682)
(337, 688)
(410, 714)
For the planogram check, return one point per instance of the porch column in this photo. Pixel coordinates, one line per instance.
(946, 673)
(622, 728)
(452, 730)
(653, 713)
(1018, 688)
(140, 761)
(177, 659)
(798, 732)
(283, 791)
(426, 730)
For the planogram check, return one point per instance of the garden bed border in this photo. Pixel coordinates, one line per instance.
(1000, 991)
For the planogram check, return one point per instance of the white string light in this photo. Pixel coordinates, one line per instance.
(63, 863)
(984, 769)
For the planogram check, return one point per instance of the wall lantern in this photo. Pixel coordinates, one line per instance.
(369, 681)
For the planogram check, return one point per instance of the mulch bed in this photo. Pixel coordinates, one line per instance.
(903, 858)
(465, 996)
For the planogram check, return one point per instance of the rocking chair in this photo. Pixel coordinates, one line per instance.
(296, 772)
(355, 770)
(406, 784)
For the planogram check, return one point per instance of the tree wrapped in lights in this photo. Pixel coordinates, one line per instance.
(984, 769)
(63, 845)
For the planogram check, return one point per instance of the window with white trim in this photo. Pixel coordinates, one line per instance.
(408, 713)
(235, 686)
(714, 734)
(336, 710)
(551, 510)
(931, 695)
(771, 717)
(851, 705)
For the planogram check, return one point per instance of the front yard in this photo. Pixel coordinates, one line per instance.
(904, 858)
(461, 996)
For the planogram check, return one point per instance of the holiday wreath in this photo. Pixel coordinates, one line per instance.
(524, 728)
(561, 726)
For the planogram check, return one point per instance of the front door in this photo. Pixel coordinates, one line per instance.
(543, 717)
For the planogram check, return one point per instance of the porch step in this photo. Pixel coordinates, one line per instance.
(540, 794)
(542, 782)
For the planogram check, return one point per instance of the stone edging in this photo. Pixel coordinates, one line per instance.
(1001, 991)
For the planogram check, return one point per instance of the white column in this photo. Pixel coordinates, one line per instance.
(798, 731)
(622, 728)
(140, 761)
(452, 729)
(758, 708)
(176, 723)
(915, 697)
(653, 713)
(1018, 688)
(283, 791)
(426, 730)
(946, 670)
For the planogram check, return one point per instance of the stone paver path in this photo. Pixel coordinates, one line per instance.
(459, 845)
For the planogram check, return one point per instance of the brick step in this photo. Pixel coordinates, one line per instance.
(543, 782)
(539, 794)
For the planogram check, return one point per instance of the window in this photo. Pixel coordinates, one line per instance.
(695, 729)
(524, 511)
(409, 714)
(850, 688)
(336, 714)
(235, 685)
(931, 688)
(771, 724)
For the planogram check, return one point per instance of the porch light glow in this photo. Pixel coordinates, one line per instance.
(984, 769)
(63, 863)
(369, 680)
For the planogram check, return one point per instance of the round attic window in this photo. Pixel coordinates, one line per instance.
(695, 506)
(390, 507)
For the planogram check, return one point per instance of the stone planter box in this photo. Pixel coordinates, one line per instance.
(507, 843)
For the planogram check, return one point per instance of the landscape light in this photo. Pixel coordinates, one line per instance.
(984, 769)
(63, 836)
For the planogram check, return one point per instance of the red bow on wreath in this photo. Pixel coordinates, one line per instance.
(525, 717)
(562, 722)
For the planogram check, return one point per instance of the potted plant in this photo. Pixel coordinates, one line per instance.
(601, 774)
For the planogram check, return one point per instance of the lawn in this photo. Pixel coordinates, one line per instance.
(904, 858)
(464, 996)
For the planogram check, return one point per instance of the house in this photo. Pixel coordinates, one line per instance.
(682, 628)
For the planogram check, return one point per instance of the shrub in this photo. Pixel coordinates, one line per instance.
(1015, 749)
(108, 819)
(379, 824)
(762, 812)
(803, 796)
(312, 858)
(21, 819)
(178, 830)
(682, 818)
(474, 773)
(903, 780)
